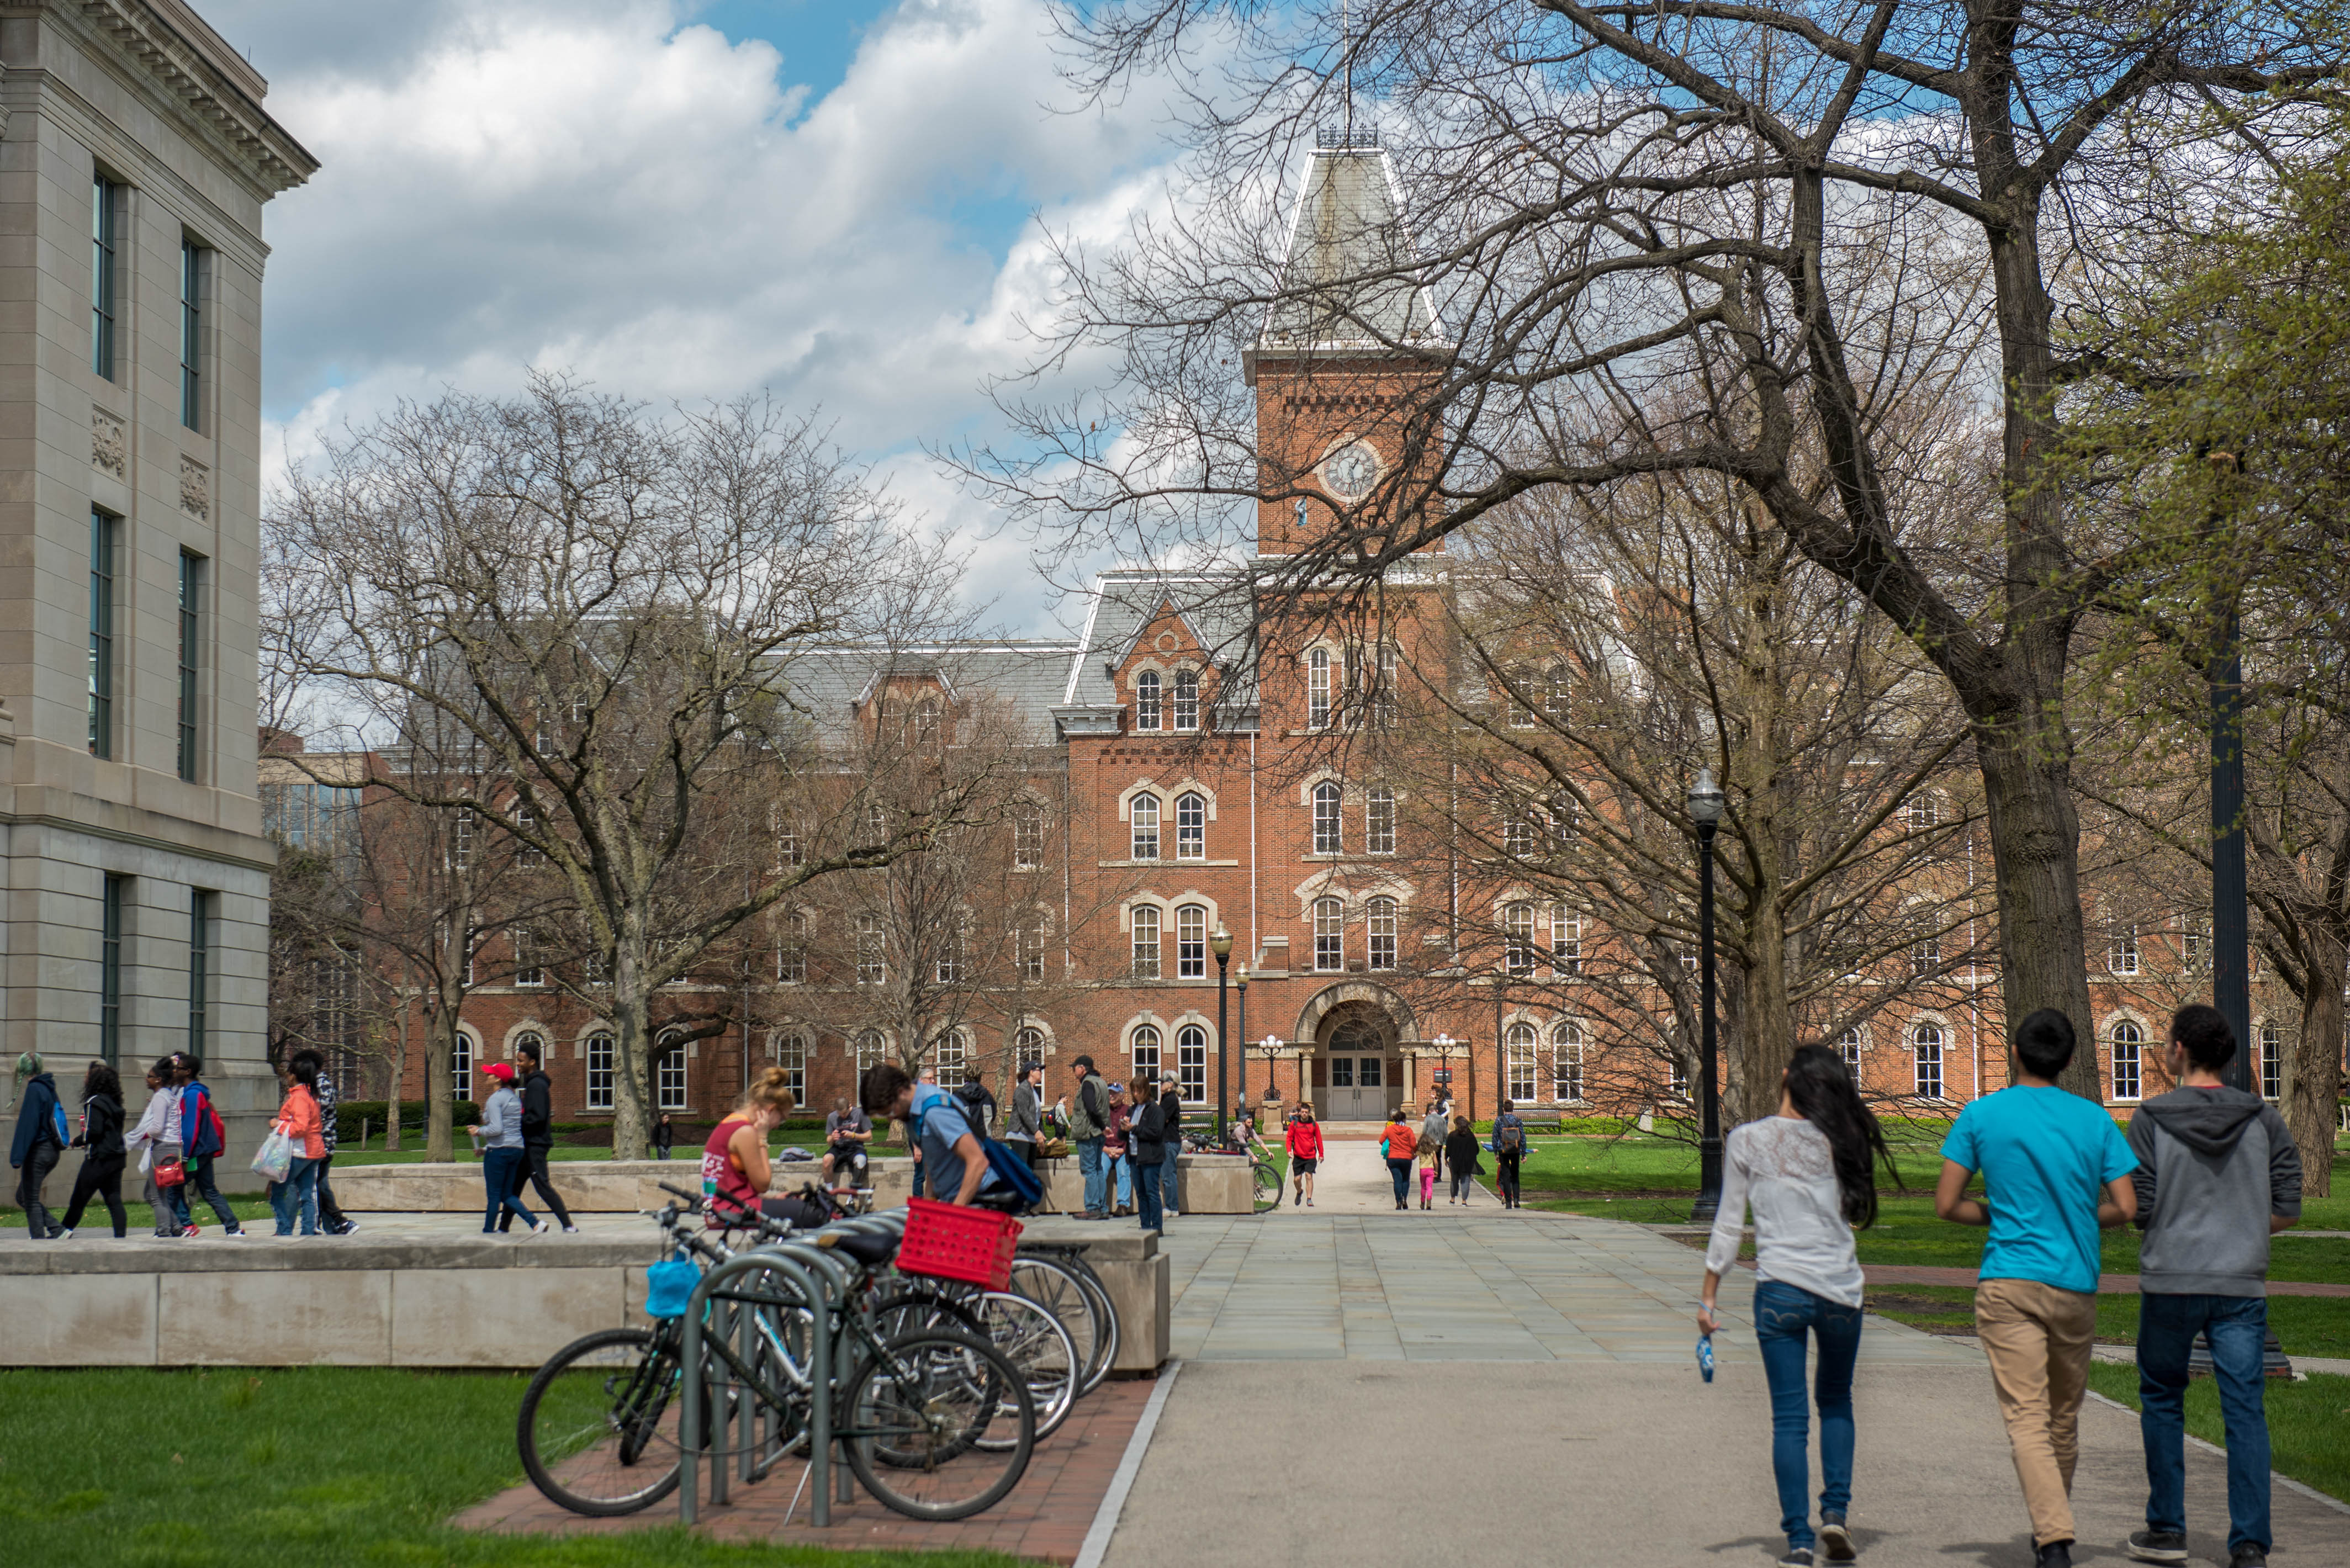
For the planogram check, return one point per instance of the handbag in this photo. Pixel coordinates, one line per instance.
(169, 1173)
(668, 1286)
(274, 1157)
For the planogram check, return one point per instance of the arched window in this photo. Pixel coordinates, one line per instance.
(1329, 934)
(1518, 939)
(1192, 942)
(1146, 942)
(1192, 1063)
(2128, 1054)
(1328, 838)
(1143, 1051)
(669, 1073)
(1566, 1062)
(1187, 699)
(2272, 1062)
(1146, 700)
(872, 1048)
(1518, 1077)
(1190, 825)
(1381, 922)
(1144, 810)
(790, 1050)
(599, 1070)
(1031, 1044)
(1379, 821)
(1317, 689)
(952, 1055)
(530, 1040)
(461, 1067)
(1848, 1048)
(1926, 1047)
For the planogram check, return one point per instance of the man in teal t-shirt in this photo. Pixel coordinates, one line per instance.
(2055, 1170)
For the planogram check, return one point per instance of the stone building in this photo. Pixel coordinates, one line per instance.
(136, 157)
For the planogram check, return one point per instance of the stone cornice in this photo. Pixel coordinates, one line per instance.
(163, 38)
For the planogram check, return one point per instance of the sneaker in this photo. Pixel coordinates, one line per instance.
(1836, 1539)
(240, 1233)
(2248, 1556)
(1309, 1203)
(2055, 1554)
(66, 1235)
(1796, 1557)
(568, 1230)
(2156, 1545)
(349, 1226)
(194, 1230)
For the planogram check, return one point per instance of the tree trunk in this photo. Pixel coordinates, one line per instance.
(395, 1086)
(439, 1057)
(2035, 838)
(2313, 1066)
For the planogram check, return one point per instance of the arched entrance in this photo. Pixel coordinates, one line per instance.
(1356, 1031)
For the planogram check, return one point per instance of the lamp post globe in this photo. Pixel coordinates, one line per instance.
(1222, 943)
(1706, 802)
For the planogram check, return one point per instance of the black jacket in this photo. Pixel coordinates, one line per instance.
(538, 1112)
(1461, 1153)
(1171, 1117)
(1150, 1129)
(102, 1130)
(37, 1119)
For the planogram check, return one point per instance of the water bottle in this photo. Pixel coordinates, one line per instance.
(1705, 1356)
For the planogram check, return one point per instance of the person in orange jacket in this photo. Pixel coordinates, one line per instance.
(1304, 1154)
(298, 1119)
(1398, 1143)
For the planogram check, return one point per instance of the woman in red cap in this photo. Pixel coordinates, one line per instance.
(499, 1138)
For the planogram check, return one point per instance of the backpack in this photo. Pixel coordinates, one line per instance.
(1402, 1141)
(209, 1137)
(57, 1114)
(1509, 1135)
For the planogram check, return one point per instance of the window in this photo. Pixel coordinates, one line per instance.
(1925, 1042)
(788, 850)
(1566, 940)
(201, 908)
(1518, 835)
(191, 336)
(1187, 699)
(1144, 811)
(1329, 934)
(1328, 838)
(596, 969)
(1677, 1082)
(1191, 826)
(790, 1050)
(461, 1067)
(1028, 839)
(114, 893)
(1565, 821)
(1028, 948)
(669, 1073)
(1385, 707)
(873, 968)
(1924, 811)
(1382, 924)
(2121, 950)
(1848, 1048)
(1520, 716)
(1378, 821)
(105, 218)
(2272, 1063)
(599, 1070)
(877, 823)
(1146, 700)
(953, 1053)
(526, 828)
(1926, 955)
(1192, 1063)
(528, 969)
(953, 943)
(103, 545)
(871, 1049)
(790, 952)
(1518, 1073)
(1030, 1043)
(1144, 1050)
(1566, 1062)
(1146, 942)
(1192, 942)
(1518, 939)
(1557, 688)
(461, 839)
(308, 816)
(2129, 1053)
(2195, 945)
(1317, 689)
(191, 588)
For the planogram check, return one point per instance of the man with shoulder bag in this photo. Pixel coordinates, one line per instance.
(1088, 1120)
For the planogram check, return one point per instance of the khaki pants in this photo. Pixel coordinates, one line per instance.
(2037, 1338)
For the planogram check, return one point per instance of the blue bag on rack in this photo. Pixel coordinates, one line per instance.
(668, 1286)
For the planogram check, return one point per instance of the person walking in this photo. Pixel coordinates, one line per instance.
(1150, 1134)
(1809, 1172)
(665, 1136)
(157, 1139)
(1171, 1169)
(536, 1092)
(39, 1143)
(298, 1117)
(2055, 1170)
(100, 1140)
(1087, 1118)
(1114, 1151)
(1460, 1154)
(1508, 1153)
(1025, 1130)
(1304, 1138)
(498, 1139)
(1396, 1143)
(332, 1219)
(2218, 1174)
(205, 1141)
(1430, 1148)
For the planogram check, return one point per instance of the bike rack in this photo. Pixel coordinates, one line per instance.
(818, 1283)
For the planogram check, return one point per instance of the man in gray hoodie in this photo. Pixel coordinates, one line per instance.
(2217, 1175)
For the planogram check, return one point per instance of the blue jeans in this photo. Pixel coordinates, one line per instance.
(2237, 1326)
(1783, 1313)
(1089, 1161)
(501, 1173)
(201, 1184)
(299, 1189)
(1167, 1175)
(1122, 1166)
(1149, 1178)
(1400, 1170)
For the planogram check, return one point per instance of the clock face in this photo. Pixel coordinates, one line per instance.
(1350, 472)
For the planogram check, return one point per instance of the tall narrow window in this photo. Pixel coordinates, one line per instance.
(1318, 688)
(1378, 821)
(1028, 938)
(1187, 699)
(103, 531)
(2121, 950)
(1192, 1064)
(788, 850)
(954, 941)
(1143, 1051)
(192, 658)
(1146, 942)
(872, 967)
(1519, 1069)
(200, 966)
(1566, 940)
(2272, 1062)
(791, 1055)
(113, 895)
(954, 1059)
(1146, 700)
(1520, 716)
(1518, 939)
(669, 1073)
(528, 969)
(1556, 691)
(1927, 1048)
(2128, 1054)
(791, 949)
(1028, 839)
(1848, 1048)
(105, 216)
(1383, 705)
(1144, 811)
(1926, 957)
(1518, 833)
(599, 1071)
(1381, 923)
(461, 839)
(1192, 942)
(1191, 826)
(1327, 835)
(192, 332)
(1329, 934)
(1566, 1062)
(461, 1067)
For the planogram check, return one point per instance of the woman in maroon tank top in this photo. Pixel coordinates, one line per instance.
(734, 1160)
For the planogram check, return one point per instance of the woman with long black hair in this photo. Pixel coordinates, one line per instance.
(1810, 1173)
(101, 1139)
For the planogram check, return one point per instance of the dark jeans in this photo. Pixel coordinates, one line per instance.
(1400, 1169)
(1505, 1175)
(1464, 1183)
(200, 1183)
(1168, 1172)
(2167, 1326)
(533, 1170)
(330, 1213)
(39, 1160)
(100, 1179)
(299, 1191)
(1147, 1177)
(1783, 1314)
(1089, 1162)
(502, 1183)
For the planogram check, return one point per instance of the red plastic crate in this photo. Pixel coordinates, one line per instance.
(948, 1241)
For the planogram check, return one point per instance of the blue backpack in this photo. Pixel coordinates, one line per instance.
(1010, 1169)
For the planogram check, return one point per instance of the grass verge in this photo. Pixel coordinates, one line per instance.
(2309, 1422)
(2306, 1325)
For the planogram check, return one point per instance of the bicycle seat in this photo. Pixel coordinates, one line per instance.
(860, 1247)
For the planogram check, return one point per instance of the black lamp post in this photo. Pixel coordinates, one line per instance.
(1223, 944)
(1705, 802)
(1240, 984)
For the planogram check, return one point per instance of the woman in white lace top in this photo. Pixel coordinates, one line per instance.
(1809, 1174)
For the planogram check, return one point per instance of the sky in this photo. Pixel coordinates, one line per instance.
(838, 202)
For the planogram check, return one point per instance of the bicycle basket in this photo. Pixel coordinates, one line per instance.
(948, 1241)
(668, 1286)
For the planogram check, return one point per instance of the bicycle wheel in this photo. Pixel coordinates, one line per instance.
(1106, 1327)
(597, 1430)
(930, 1395)
(1053, 1286)
(1268, 1187)
(1033, 1341)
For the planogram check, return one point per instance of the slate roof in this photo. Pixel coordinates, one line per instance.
(1347, 281)
(833, 684)
(1215, 606)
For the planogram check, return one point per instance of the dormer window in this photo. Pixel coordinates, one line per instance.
(1187, 699)
(1146, 700)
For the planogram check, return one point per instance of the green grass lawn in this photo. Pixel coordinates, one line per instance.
(2309, 1423)
(2306, 1325)
(320, 1466)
